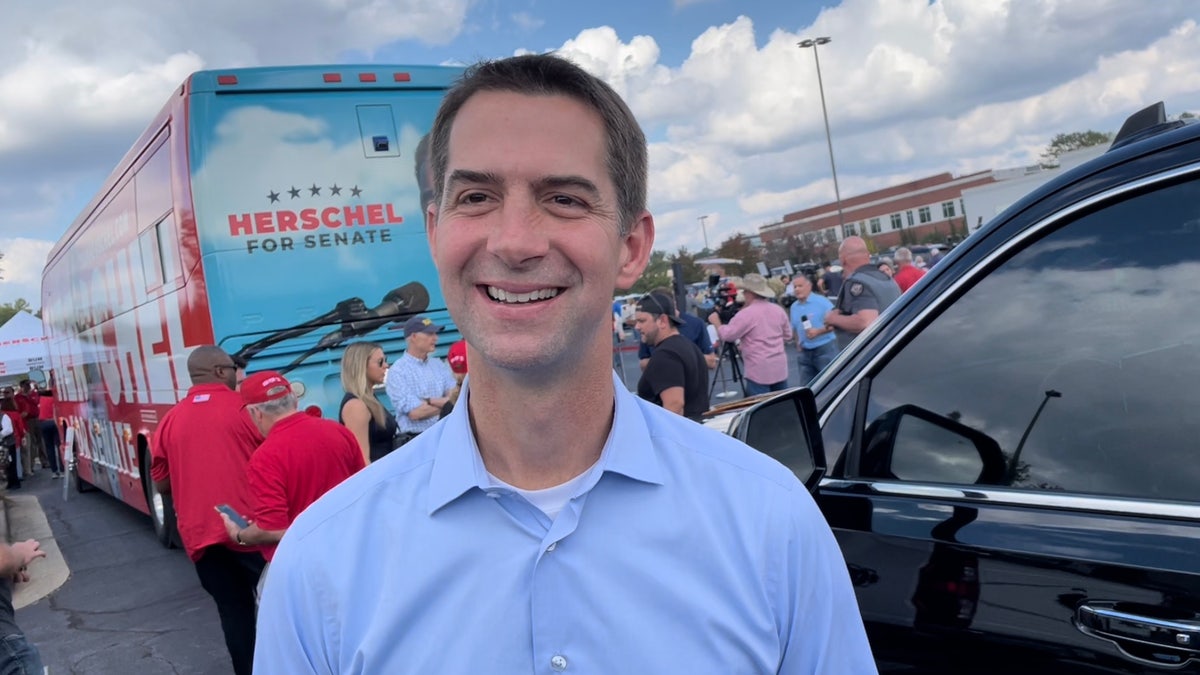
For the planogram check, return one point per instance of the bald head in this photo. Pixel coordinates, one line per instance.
(854, 254)
(210, 364)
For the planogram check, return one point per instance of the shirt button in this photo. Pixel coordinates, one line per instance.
(494, 494)
(558, 662)
(551, 547)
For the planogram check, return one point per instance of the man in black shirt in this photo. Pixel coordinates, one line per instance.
(676, 376)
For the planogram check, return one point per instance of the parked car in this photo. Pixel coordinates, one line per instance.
(1009, 455)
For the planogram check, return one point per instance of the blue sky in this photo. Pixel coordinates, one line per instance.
(730, 104)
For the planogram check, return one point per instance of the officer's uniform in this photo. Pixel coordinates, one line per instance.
(867, 288)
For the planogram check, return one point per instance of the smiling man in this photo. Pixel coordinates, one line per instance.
(554, 522)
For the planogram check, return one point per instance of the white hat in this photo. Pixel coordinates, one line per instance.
(756, 284)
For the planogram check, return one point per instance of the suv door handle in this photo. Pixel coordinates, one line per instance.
(1156, 639)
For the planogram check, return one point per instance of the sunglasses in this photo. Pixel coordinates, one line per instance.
(381, 362)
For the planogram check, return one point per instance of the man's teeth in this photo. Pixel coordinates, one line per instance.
(502, 295)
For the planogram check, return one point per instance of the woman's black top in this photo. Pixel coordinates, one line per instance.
(379, 438)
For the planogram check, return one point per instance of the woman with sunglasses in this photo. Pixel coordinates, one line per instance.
(364, 367)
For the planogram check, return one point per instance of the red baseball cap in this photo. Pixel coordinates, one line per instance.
(264, 386)
(457, 357)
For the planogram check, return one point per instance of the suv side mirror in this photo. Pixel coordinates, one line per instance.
(786, 427)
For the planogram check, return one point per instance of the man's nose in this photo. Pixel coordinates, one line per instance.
(519, 233)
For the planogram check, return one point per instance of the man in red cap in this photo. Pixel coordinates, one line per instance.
(199, 456)
(302, 458)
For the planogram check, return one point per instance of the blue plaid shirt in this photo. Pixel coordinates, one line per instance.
(410, 381)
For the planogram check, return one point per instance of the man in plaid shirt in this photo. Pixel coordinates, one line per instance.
(419, 384)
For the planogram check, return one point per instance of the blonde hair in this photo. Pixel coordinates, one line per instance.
(354, 378)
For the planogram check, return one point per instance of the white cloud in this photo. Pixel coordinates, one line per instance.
(21, 268)
(527, 22)
(913, 88)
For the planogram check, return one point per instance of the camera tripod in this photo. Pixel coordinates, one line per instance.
(728, 351)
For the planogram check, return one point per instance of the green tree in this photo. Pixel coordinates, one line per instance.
(1073, 141)
(738, 247)
(655, 275)
(687, 262)
(9, 309)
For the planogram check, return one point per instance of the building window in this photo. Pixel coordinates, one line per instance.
(849, 230)
(924, 215)
(947, 209)
(831, 235)
(895, 221)
(875, 228)
(910, 218)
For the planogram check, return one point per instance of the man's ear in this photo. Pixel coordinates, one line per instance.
(431, 215)
(635, 250)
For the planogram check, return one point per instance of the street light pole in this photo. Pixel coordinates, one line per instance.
(705, 229)
(837, 194)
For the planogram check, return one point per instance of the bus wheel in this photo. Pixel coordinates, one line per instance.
(162, 511)
(81, 485)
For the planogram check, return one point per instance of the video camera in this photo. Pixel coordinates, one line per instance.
(723, 295)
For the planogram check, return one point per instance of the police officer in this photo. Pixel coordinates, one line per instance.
(865, 292)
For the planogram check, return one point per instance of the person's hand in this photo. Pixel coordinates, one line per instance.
(831, 317)
(28, 551)
(714, 319)
(812, 333)
(21, 576)
(231, 527)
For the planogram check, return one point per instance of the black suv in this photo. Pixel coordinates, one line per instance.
(1013, 448)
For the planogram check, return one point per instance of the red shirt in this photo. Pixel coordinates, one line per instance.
(18, 425)
(46, 407)
(203, 445)
(302, 458)
(907, 276)
(27, 404)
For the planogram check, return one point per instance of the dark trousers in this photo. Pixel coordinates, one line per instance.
(10, 471)
(50, 437)
(230, 577)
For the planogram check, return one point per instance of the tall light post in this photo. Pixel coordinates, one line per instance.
(837, 194)
(705, 229)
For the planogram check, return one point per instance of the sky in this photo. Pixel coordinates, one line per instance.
(730, 105)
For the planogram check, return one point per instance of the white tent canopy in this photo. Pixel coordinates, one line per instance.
(22, 345)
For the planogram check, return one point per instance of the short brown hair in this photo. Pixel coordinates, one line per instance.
(552, 75)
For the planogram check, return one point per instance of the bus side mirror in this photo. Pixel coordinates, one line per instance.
(787, 428)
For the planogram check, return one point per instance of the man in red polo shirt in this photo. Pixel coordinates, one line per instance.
(302, 458)
(199, 456)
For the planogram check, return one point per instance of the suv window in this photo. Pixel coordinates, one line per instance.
(1074, 365)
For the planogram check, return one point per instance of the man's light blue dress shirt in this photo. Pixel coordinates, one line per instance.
(683, 551)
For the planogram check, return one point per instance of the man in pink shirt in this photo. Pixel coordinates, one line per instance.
(763, 328)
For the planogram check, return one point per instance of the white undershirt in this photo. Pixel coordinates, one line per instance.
(549, 500)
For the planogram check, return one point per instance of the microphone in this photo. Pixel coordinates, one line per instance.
(411, 298)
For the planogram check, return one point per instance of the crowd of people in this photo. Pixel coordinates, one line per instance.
(817, 313)
(240, 459)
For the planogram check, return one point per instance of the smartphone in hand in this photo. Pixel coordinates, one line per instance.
(233, 515)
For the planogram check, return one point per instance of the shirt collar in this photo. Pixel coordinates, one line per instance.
(458, 467)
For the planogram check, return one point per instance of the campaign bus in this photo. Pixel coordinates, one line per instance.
(276, 212)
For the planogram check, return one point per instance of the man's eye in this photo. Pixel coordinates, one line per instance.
(565, 200)
(474, 198)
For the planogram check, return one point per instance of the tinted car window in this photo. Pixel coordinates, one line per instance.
(1078, 358)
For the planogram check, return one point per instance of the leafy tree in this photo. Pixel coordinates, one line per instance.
(1073, 141)
(9, 309)
(738, 247)
(655, 274)
(687, 262)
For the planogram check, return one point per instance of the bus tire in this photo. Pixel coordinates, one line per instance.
(81, 485)
(162, 510)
